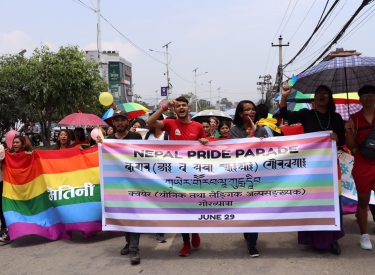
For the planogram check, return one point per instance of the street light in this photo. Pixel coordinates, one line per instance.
(167, 64)
(195, 87)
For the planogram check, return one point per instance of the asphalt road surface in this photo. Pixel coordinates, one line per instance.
(219, 254)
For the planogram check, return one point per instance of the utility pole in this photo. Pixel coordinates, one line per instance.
(168, 84)
(280, 70)
(210, 93)
(266, 81)
(99, 40)
(195, 89)
(156, 99)
(219, 97)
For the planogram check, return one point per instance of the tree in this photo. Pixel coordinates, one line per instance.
(144, 104)
(227, 103)
(62, 83)
(13, 105)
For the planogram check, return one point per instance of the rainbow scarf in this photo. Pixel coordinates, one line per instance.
(52, 193)
(271, 123)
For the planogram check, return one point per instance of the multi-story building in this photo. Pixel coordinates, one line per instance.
(117, 72)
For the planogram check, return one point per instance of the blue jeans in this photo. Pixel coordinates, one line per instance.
(252, 239)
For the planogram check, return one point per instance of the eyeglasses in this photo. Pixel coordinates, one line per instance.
(322, 94)
(368, 95)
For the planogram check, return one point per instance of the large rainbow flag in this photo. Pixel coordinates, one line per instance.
(244, 185)
(52, 193)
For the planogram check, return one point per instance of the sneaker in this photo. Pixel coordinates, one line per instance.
(125, 250)
(195, 240)
(253, 252)
(134, 257)
(365, 242)
(184, 252)
(4, 237)
(161, 238)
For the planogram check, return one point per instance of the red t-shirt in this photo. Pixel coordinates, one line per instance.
(360, 122)
(183, 131)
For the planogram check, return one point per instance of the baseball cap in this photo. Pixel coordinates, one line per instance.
(118, 113)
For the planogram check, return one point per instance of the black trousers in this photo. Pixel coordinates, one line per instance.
(3, 225)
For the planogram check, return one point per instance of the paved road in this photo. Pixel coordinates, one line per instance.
(218, 254)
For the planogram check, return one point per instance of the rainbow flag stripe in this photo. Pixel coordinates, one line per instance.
(243, 185)
(52, 193)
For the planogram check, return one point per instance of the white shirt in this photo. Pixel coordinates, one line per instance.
(152, 137)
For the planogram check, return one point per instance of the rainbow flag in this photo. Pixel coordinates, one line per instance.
(243, 185)
(52, 193)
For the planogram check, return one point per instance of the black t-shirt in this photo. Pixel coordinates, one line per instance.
(130, 135)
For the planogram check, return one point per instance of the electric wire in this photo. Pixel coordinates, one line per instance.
(302, 20)
(341, 33)
(321, 21)
(321, 31)
(290, 15)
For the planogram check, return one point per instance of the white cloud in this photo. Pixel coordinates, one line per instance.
(126, 50)
(16, 41)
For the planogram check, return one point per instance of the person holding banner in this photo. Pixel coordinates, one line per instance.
(322, 118)
(120, 122)
(245, 126)
(357, 128)
(63, 140)
(4, 237)
(180, 129)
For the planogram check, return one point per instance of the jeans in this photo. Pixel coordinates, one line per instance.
(185, 237)
(252, 239)
(133, 240)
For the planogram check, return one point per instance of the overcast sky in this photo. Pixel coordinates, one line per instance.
(231, 40)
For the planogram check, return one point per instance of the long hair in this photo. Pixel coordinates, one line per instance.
(331, 103)
(237, 118)
(80, 129)
(58, 144)
(222, 124)
(26, 144)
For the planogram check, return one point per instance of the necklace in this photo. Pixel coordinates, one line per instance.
(329, 120)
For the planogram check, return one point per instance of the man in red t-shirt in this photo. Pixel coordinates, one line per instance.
(180, 129)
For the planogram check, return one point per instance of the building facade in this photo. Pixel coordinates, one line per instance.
(117, 72)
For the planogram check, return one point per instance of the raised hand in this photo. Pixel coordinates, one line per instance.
(286, 90)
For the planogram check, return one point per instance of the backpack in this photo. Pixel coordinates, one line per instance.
(166, 137)
(367, 148)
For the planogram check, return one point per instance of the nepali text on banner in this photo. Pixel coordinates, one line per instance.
(52, 193)
(243, 185)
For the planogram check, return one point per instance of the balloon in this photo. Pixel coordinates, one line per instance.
(9, 137)
(95, 133)
(106, 98)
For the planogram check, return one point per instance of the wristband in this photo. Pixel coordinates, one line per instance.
(165, 108)
(248, 130)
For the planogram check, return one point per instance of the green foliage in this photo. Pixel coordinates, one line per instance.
(144, 104)
(227, 103)
(51, 85)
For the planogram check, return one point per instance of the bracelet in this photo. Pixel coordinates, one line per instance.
(248, 130)
(165, 108)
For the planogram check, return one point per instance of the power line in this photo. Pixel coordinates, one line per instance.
(302, 20)
(321, 21)
(180, 76)
(321, 31)
(341, 33)
(346, 36)
(282, 20)
(289, 16)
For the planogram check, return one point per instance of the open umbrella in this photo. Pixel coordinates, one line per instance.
(80, 119)
(341, 74)
(209, 113)
(133, 109)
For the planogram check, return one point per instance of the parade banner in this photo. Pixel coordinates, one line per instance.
(241, 185)
(52, 193)
(348, 186)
